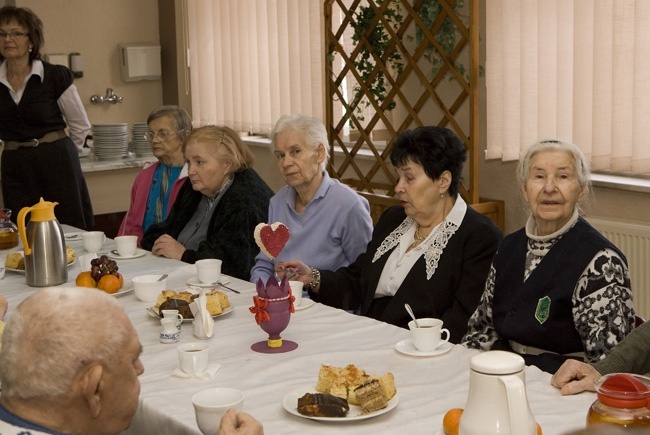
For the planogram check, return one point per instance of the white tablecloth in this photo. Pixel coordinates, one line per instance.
(427, 387)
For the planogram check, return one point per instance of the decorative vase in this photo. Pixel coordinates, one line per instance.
(272, 307)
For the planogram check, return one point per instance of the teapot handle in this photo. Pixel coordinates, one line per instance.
(517, 405)
(21, 229)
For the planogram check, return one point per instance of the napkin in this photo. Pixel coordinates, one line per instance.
(84, 261)
(203, 321)
(208, 374)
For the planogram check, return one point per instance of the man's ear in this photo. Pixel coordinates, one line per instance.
(91, 385)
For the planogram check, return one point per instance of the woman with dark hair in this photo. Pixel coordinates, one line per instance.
(432, 251)
(155, 188)
(38, 101)
(217, 208)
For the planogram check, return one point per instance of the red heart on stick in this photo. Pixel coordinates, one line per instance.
(272, 238)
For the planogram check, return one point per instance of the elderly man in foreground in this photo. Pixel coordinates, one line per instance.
(70, 363)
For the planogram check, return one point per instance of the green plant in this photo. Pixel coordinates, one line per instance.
(447, 36)
(377, 47)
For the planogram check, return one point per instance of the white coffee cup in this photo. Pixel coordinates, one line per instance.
(208, 270)
(210, 405)
(93, 240)
(126, 245)
(296, 290)
(193, 357)
(428, 336)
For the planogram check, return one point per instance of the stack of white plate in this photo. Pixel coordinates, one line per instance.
(110, 141)
(140, 145)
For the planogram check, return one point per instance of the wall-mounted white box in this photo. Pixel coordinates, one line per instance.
(57, 59)
(139, 62)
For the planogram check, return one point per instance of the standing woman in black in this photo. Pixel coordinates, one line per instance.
(38, 101)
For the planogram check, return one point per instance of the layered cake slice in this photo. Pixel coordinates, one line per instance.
(370, 396)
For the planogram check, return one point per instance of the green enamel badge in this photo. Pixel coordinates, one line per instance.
(543, 309)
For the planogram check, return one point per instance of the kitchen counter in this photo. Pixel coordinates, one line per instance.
(109, 181)
(89, 164)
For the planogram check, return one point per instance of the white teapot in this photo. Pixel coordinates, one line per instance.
(497, 402)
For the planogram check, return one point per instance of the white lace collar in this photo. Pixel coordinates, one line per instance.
(435, 242)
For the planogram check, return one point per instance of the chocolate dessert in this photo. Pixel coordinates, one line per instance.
(182, 306)
(322, 405)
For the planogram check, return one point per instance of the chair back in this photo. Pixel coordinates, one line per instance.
(638, 321)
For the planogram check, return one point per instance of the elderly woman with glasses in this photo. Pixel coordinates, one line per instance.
(217, 208)
(557, 288)
(155, 189)
(38, 101)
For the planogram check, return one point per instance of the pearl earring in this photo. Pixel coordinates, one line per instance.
(30, 49)
(442, 195)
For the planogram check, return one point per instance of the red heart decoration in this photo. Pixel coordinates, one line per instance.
(272, 238)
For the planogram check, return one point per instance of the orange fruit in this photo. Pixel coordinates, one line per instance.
(539, 429)
(85, 280)
(451, 421)
(109, 283)
(121, 278)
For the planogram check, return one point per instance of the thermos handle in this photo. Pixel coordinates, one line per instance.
(517, 404)
(21, 229)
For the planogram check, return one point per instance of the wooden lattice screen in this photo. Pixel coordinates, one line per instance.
(393, 65)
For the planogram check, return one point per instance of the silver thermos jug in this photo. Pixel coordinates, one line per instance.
(44, 245)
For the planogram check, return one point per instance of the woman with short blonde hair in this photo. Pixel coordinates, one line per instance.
(217, 208)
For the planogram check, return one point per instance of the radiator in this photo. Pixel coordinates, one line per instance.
(634, 241)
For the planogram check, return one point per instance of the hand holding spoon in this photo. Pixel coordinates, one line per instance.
(410, 311)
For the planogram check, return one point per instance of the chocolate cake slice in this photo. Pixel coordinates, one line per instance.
(322, 405)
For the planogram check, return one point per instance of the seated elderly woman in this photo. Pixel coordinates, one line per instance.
(433, 251)
(557, 288)
(217, 208)
(155, 188)
(330, 224)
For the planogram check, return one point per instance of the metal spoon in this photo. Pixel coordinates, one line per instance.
(410, 311)
(163, 277)
(231, 289)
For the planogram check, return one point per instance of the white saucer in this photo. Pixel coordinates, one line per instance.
(406, 347)
(138, 253)
(72, 237)
(304, 304)
(196, 282)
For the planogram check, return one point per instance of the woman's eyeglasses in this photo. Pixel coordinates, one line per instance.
(12, 35)
(161, 135)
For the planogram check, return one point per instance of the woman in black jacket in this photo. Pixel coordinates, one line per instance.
(433, 251)
(217, 208)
